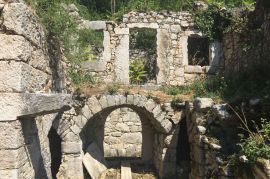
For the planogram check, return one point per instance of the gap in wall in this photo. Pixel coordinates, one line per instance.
(143, 55)
(198, 51)
(55, 149)
(183, 150)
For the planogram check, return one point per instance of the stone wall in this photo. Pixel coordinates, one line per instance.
(123, 134)
(212, 136)
(26, 82)
(173, 30)
(249, 48)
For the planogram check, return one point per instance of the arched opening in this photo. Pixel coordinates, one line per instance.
(55, 149)
(183, 150)
(122, 134)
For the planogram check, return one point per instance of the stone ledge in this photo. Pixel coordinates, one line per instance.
(14, 105)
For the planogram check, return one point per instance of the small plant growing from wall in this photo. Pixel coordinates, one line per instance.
(137, 73)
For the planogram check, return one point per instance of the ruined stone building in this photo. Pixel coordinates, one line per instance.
(45, 132)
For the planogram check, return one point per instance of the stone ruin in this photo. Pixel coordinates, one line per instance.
(173, 62)
(46, 133)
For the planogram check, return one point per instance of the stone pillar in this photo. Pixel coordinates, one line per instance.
(122, 56)
(163, 47)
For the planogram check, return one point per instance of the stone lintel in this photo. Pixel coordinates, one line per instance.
(14, 105)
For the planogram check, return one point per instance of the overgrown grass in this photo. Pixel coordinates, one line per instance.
(253, 82)
(212, 88)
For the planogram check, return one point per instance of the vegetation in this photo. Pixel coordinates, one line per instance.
(137, 73)
(257, 145)
(212, 87)
(77, 43)
(113, 89)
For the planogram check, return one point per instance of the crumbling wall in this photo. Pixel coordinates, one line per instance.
(26, 79)
(213, 135)
(173, 30)
(249, 48)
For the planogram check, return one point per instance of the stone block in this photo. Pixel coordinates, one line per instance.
(157, 111)
(11, 135)
(132, 138)
(94, 105)
(125, 170)
(13, 158)
(123, 100)
(203, 103)
(103, 102)
(15, 105)
(14, 47)
(121, 31)
(150, 105)
(193, 69)
(21, 77)
(86, 112)
(142, 101)
(143, 25)
(19, 19)
(130, 99)
(71, 147)
(175, 28)
(122, 60)
(110, 100)
(94, 25)
(94, 161)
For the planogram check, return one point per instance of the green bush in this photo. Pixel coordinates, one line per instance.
(137, 74)
(113, 89)
(257, 145)
(81, 78)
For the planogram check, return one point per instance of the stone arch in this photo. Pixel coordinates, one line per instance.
(159, 117)
(162, 117)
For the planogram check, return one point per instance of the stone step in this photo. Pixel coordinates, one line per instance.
(125, 170)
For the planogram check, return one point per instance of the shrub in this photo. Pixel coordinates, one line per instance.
(257, 145)
(137, 74)
(113, 89)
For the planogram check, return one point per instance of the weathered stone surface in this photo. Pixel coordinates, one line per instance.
(203, 103)
(103, 102)
(122, 60)
(134, 138)
(111, 100)
(15, 105)
(143, 25)
(163, 45)
(95, 25)
(95, 66)
(14, 47)
(125, 170)
(14, 158)
(86, 112)
(150, 105)
(21, 77)
(71, 147)
(221, 111)
(122, 31)
(94, 105)
(11, 135)
(193, 69)
(19, 19)
(94, 161)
